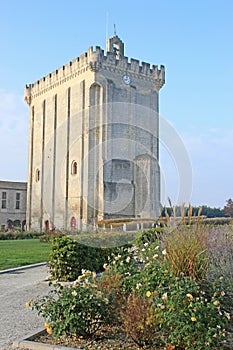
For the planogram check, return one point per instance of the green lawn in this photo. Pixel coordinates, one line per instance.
(15, 253)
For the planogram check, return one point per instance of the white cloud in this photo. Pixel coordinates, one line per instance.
(14, 137)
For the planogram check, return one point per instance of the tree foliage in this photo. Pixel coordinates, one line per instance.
(228, 208)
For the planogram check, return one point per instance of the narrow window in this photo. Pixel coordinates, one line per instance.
(74, 168)
(3, 200)
(17, 203)
(37, 175)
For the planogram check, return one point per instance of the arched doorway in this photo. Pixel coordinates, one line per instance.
(47, 225)
(24, 225)
(73, 223)
(17, 224)
(9, 224)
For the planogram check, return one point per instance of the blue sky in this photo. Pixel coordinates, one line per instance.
(193, 39)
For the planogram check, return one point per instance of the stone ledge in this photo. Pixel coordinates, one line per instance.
(29, 343)
(23, 267)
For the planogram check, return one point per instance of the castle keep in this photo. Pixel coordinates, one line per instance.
(93, 142)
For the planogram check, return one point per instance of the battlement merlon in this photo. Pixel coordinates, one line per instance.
(95, 60)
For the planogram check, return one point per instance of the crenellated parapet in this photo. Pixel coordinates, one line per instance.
(95, 60)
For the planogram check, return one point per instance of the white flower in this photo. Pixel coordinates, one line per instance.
(164, 296)
(157, 247)
(128, 259)
(138, 285)
(164, 252)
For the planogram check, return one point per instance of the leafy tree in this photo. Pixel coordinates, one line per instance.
(228, 209)
(206, 211)
(209, 212)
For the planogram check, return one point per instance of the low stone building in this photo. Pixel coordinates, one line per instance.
(13, 205)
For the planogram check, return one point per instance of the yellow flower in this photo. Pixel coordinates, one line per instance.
(193, 319)
(164, 296)
(148, 294)
(47, 325)
(27, 304)
(189, 296)
(49, 331)
(74, 293)
(216, 303)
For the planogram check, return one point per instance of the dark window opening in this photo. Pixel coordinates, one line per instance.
(17, 203)
(74, 168)
(37, 175)
(3, 200)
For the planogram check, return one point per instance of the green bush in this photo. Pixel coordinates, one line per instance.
(156, 304)
(48, 236)
(149, 236)
(188, 313)
(79, 309)
(19, 235)
(68, 258)
(105, 239)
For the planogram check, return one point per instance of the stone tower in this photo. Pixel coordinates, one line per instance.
(93, 143)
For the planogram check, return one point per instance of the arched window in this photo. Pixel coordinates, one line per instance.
(74, 168)
(47, 225)
(73, 223)
(37, 175)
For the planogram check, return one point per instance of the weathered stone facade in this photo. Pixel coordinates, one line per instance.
(93, 148)
(13, 205)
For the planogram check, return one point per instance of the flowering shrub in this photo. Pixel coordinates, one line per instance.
(157, 300)
(188, 311)
(79, 309)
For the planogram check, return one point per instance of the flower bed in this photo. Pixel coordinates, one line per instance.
(159, 293)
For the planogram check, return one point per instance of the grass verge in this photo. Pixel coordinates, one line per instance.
(22, 252)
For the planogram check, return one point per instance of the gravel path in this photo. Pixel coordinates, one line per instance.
(16, 288)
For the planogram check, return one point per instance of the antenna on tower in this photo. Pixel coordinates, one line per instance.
(114, 29)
